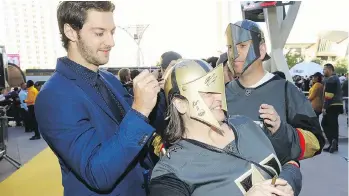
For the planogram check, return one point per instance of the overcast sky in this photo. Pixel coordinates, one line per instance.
(190, 27)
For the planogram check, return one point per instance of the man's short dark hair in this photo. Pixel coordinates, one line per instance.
(167, 57)
(134, 73)
(330, 66)
(30, 83)
(74, 13)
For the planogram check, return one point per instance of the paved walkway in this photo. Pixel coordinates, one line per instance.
(21, 149)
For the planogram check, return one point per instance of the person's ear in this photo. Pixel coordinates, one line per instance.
(181, 105)
(71, 34)
(262, 50)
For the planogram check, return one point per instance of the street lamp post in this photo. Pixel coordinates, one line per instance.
(137, 38)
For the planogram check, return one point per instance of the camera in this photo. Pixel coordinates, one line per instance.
(5, 104)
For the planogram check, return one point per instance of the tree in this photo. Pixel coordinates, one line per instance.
(318, 61)
(293, 59)
(341, 66)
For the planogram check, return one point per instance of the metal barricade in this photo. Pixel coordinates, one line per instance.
(4, 138)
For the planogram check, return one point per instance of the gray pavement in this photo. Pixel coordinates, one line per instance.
(326, 174)
(20, 148)
(323, 175)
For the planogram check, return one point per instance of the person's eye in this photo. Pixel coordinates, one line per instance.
(99, 34)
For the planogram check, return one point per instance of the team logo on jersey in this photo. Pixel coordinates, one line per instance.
(256, 175)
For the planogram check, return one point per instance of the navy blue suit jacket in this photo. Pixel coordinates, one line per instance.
(98, 155)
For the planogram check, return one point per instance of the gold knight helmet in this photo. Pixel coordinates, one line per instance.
(187, 78)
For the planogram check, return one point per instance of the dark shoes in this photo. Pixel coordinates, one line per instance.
(333, 147)
(35, 138)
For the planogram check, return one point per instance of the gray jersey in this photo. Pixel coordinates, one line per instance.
(288, 141)
(206, 172)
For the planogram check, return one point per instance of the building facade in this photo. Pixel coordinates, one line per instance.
(330, 47)
(27, 29)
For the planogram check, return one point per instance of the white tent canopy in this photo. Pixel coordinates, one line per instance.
(306, 69)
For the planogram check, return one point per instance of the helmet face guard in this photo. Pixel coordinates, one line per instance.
(190, 77)
(238, 33)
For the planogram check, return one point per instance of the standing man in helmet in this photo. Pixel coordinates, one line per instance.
(277, 106)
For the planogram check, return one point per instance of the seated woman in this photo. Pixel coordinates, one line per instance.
(209, 154)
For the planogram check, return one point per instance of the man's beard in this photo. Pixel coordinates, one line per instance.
(88, 54)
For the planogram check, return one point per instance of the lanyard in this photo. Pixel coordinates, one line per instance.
(218, 150)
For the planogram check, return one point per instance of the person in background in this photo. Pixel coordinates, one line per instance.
(316, 93)
(166, 58)
(30, 101)
(299, 82)
(3, 94)
(14, 110)
(345, 96)
(134, 73)
(306, 84)
(228, 75)
(342, 78)
(212, 61)
(125, 79)
(24, 108)
(38, 85)
(124, 75)
(332, 107)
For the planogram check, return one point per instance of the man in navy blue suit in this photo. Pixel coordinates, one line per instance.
(99, 133)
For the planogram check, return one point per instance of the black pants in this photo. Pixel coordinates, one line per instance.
(330, 122)
(17, 115)
(33, 123)
(26, 119)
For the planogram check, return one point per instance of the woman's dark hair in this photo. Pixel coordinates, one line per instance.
(175, 129)
(318, 75)
(74, 13)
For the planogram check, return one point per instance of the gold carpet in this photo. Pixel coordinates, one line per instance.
(41, 176)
